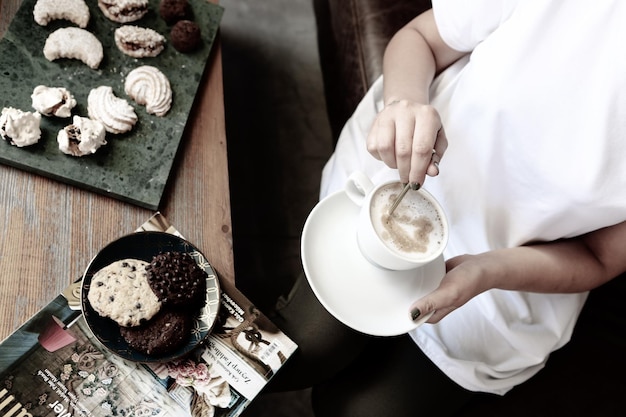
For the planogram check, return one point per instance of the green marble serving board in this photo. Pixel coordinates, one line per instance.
(132, 167)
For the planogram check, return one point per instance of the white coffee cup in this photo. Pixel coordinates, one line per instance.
(414, 235)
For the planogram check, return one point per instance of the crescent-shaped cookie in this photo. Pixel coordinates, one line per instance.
(113, 112)
(74, 43)
(148, 86)
(76, 11)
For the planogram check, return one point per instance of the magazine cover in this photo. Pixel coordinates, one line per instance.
(54, 366)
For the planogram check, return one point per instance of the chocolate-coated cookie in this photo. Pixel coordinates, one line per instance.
(164, 333)
(177, 280)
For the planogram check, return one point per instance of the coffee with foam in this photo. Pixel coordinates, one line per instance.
(414, 230)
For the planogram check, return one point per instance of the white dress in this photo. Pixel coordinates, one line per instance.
(536, 123)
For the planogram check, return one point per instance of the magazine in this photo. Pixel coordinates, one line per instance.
(53, 365)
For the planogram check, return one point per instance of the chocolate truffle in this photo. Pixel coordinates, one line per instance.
(174, 10)
(185, 36)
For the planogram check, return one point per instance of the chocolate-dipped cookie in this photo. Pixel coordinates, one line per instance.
(177, 280)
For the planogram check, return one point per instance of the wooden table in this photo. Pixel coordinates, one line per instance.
(49, 231)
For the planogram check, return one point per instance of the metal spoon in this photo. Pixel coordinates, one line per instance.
(409, 186)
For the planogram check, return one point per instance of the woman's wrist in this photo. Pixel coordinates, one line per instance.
(393, 100)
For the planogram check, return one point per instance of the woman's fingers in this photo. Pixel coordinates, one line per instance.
(429, 144)
(409, 137)
(381, 141)
(441, 145)
(464, 280)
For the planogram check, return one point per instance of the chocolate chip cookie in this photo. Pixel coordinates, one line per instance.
(121, 292)
(177, 280)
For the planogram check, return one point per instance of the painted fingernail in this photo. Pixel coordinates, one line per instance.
(415, 186)
(415, 314)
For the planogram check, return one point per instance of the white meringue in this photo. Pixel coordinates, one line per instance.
(148, 86)
(83, 137)
(20, 128)
(113, 112)
(53, 101)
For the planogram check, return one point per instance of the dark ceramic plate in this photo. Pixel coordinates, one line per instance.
(143, 246)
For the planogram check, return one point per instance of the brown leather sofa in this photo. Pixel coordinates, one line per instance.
(352, 36)
(585, 378)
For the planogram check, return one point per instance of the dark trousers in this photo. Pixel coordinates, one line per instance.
(356, 375)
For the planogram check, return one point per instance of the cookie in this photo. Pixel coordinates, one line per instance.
(20, 128)
(148, 86)
(75, 11)
(120, 291)
(113, 112)
(164, 333)
(83, 137)
(74, 43)
(123, 11)
(177, 280)
(53, 101)
(139, 42)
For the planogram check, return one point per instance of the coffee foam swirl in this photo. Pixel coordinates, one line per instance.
(414, 230)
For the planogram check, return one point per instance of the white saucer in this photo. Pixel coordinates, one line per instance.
(366, 298)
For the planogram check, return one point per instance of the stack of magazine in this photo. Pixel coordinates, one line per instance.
(53, 366)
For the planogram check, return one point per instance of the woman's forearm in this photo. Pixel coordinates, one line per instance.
(408, 76)
(407, 133)
(564, 266)
(414, 55)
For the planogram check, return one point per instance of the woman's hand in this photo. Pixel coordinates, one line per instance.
(571, 265)
(466, 277)
(408, 129)
(408, 136)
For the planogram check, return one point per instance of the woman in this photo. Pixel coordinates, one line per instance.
(524, 105)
